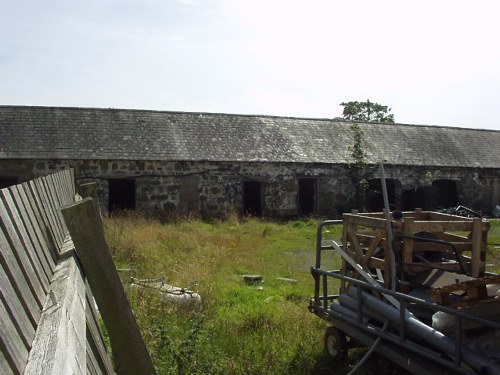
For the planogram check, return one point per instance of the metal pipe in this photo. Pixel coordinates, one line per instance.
(352, 304)
(422, 331)
(362, 272)
(490, 324)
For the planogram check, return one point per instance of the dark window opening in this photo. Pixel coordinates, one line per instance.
(252, 198)
(121, 195)
(446, 193)
(5, 182)
(307, 196)
(375, 197)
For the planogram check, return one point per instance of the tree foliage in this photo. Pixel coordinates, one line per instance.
(367, 112)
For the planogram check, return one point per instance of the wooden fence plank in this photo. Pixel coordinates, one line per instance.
(72, 178)
(63, 189)
(22, 277)
(54, 207)
(57, 191)
(5, 368)
(16, 310)
(66, 185)
(18, 280)
(89, 190)
(22, 255)
(96, 337)
(91, 361)
(65, 337)
(59, 344)
(24, 207)
(43, 220)
(27, 237)
(11, 345)
(46, 206)
(129, 351)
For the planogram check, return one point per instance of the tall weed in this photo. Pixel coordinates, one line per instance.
(241, 329)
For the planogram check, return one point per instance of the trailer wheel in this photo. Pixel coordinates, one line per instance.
(335, 343)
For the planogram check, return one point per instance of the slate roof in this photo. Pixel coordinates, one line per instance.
(118, 134)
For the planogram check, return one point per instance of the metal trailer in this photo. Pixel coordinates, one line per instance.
(390, 323)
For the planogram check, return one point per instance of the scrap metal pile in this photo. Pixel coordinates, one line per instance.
(413, 286)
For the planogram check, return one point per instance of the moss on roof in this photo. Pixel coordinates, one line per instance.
(119, 134)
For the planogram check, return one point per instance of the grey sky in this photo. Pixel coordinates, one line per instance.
(433, 62)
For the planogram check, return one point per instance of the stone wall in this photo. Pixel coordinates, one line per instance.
(215, 189)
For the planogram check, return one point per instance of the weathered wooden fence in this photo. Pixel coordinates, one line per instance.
(48, 320)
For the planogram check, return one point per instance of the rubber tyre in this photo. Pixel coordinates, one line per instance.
(335, 343)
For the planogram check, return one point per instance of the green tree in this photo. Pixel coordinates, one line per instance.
(367, 112)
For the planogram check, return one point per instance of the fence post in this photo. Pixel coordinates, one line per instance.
(129, 350)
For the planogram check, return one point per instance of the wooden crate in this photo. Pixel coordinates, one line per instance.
(469, 291)
(365, 239)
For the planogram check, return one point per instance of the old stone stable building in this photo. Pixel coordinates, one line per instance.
(210, 163)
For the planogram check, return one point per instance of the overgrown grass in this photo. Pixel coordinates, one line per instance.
(241, 329)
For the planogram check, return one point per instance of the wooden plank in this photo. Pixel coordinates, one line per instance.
(91, 360)
(59, 190)
(19, 256)
(100, 357)
(129, 350)
(451, 237)
(24, 207)
(22, 253)
(355, 248)
(477, 256)
(18, 280)
(370, 222)
(5, 368)
(45, 207)
(11, 345)
(97, 337)
(49, 210)
(36, 204)
(43, 223)
(89, 190)
(441, 216)
(69, 184)
(27, 237)
(17, 312)
(55, 205)
(66, 189)
(441, 226)
(374, 244)
(59, 345)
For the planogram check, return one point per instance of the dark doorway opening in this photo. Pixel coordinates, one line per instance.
(7, 181)
(252, 198)
(121, 195)
(447, 193)
(307, 196)
(375, 197)
(409, 200)
(424, 197)
(427, 197)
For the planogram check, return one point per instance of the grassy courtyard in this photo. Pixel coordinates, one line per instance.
(263, 328)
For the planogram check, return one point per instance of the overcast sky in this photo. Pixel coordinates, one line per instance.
(434, 62)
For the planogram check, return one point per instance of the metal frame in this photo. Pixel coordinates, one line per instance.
(395, 342)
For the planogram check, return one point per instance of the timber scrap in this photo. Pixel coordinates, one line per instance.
(413, 288)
